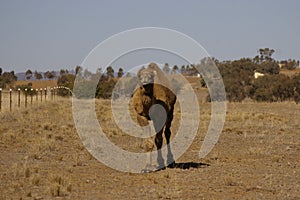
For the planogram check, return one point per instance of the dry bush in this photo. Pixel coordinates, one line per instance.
(60, 186)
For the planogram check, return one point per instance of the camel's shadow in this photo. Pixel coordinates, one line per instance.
(188, 165)
(181, 165)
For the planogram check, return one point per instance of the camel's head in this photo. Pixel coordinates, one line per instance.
(146, 76)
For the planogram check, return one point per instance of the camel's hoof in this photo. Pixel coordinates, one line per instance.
(172, 165)
(160, 168)
(149, 168)
(145, 171)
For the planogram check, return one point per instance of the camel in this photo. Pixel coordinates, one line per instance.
(154, 100)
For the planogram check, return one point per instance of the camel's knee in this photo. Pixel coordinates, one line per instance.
(158, 140)
(167, 134)
(168, 128)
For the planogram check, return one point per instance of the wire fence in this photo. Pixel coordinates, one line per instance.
(24, 98)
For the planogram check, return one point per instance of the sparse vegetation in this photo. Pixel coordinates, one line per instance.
(43, 157)
(60, 186)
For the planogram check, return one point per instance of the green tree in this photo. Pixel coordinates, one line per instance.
(53, 74)
(2, 82)
(66, 80)
(7, 78)
(62, 72)
(265, 55)
(282, 87)
(166, 68)
(28, 87)
(96, 76)
(130, 85)
(234, 92)
(78, 70)
(183, 69)
(128, 75)
(270, 67)
(10, 76)
(85, 88)
(28, 74)
(47, 75)
(263, 94)
(50, 75)
(296, 87)
(120, 72)
(289, 64)
(187, 70)
(237, 77)
(192, 71)
(37, 75)
(256, 59)
(87, 74)
(175, 69)
(0, 71)
(99, 70)
(110, 72)
(272, 88)
(105, 88)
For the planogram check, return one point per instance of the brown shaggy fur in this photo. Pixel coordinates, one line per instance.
(154, 89)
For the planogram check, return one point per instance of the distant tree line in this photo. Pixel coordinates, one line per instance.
(238, 78)
(87, 81)
(39, 76)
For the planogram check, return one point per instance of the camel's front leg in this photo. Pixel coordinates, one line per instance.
(170, 158)
(158, 143)
(143, 121)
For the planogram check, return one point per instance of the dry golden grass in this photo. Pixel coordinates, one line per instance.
(290, 72)
(37, 84)
(256, 157)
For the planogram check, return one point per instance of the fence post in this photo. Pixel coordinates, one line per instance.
(25, 97)
(10, 99)
(0, 98)
(19, 97)
(31, 96)
(45, 93)
(37, 94)
(41, 90)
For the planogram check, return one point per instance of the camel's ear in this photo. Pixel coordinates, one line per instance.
(139, 74)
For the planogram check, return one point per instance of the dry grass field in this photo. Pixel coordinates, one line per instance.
(290, 72)
(256, 157)
(32, 101)
(37, 84)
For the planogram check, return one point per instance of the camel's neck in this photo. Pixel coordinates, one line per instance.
(148, 89)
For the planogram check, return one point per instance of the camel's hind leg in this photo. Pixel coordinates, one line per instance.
(170, 158)
(158, 143)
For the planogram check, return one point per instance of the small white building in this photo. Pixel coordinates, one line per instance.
(257, 74)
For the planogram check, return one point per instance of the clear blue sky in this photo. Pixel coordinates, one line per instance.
(56, 34)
